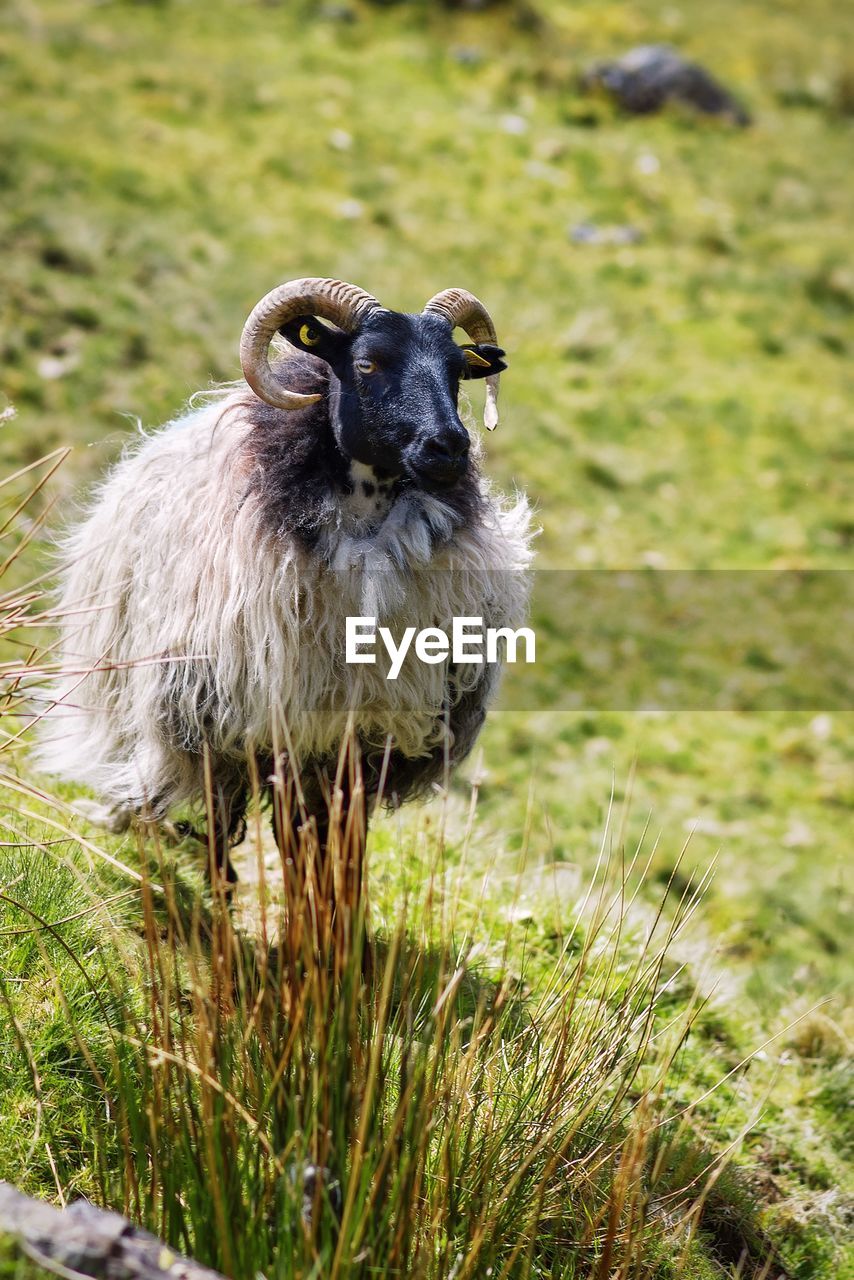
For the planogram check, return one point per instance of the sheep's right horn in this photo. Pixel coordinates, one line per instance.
(459, 307)
(344, 304)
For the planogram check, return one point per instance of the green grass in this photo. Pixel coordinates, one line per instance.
(680, 402)
(480, 1109)
(15, 1266)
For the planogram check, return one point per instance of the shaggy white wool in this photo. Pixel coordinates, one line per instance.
(187, 621)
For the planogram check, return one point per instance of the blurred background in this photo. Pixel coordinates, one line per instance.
(675, 290)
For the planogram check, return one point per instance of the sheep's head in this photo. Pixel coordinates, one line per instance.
(395, 377)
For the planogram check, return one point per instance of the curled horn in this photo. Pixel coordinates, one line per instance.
(459, 307)
(343, 304)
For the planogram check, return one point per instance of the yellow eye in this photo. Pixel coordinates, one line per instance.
(309, 336)
(366, 366)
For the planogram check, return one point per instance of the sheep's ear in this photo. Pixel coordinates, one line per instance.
(483, 359)
(310, 334)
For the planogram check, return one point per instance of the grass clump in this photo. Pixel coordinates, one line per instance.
(296, 1101)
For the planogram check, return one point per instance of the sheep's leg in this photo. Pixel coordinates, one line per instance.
(226, 827)
(321, 838)
(346, 898)
(341, 841)
(342, 828)
(337, 874)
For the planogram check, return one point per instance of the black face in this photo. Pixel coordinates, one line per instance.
(393, 398)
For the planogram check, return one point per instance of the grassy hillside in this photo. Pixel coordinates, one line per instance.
(681, 401)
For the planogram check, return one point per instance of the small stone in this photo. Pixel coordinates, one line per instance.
(52, 367)
(590, 233)
(799, 836)
(583, 233)
(518, 913)
(351, 209)
(646, 163)
(311, 1175)
(467, 55)
(650, 76)
(337, 13)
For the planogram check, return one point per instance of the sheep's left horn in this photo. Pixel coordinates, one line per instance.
(459, 307)
(344, 304)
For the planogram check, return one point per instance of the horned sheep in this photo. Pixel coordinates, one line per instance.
(205, 594)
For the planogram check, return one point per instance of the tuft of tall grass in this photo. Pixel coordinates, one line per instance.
(300, 1099)
(23, 513)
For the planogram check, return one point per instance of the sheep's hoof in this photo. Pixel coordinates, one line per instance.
(177, 832)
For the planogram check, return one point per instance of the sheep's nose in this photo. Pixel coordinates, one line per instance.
(441, 460)
(446, 448)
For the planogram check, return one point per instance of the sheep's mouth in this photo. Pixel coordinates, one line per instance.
(439, 478)
(437, 467)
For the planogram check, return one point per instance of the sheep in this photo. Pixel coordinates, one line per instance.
(205, 593)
